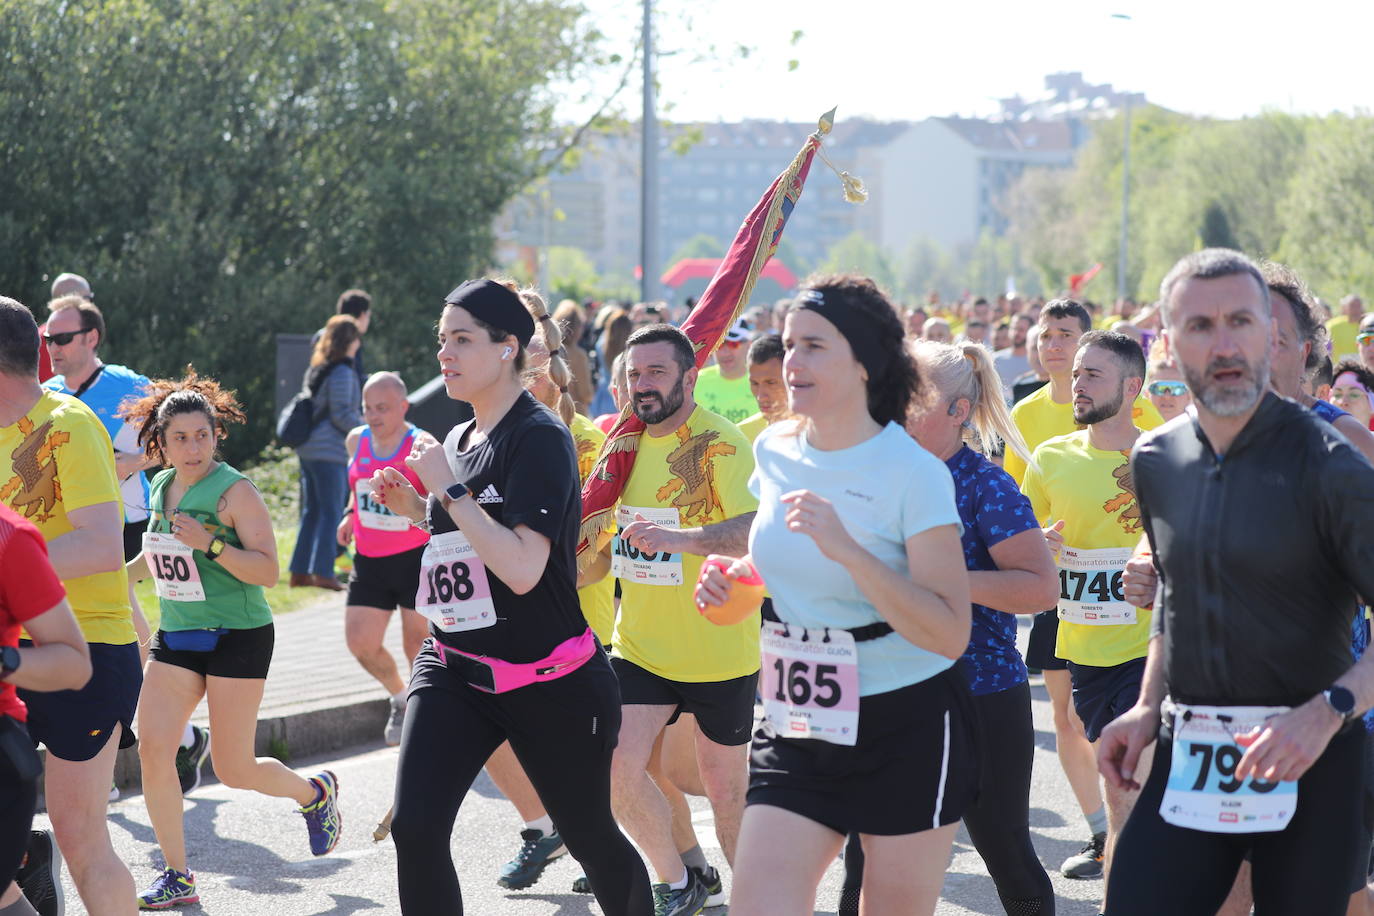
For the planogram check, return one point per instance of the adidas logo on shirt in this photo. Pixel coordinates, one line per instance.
(489, 495)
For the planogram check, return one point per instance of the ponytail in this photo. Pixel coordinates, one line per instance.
(966, 371)
(558, 369)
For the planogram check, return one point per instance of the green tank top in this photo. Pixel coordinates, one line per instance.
(228, 602)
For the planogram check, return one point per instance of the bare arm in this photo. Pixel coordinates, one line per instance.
(241, 508)
(1025, 580)
(59, 659)
(94, 545)
(1358, 434)
(597, 569)
(127, 464)
(729, 538)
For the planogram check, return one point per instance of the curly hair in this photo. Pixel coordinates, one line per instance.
(167, 398)
(890, 391)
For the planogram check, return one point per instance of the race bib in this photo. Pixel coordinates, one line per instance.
(1202, 792)
(174, 568)
(634, 565)
(1090, 586)
(374, 515)
(810, 683)
(454, 592)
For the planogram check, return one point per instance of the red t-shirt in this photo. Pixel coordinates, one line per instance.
(28, 587)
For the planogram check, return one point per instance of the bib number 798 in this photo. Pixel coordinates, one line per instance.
(1225, 758)
(795, 683)
(449, 582)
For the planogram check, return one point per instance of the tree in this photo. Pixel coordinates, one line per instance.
(1215, 231)
(700, 245)
(220, 170)
(1329, 209)
(856, 254)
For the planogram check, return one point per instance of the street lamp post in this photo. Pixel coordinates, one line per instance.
(1125, 185)
(648, 176)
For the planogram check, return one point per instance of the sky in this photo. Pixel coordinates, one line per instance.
(910, 59)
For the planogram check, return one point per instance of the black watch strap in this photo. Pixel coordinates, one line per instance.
(10, 660)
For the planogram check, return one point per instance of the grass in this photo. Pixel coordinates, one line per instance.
(277, 475)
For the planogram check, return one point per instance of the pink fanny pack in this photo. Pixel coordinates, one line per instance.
(492, 675)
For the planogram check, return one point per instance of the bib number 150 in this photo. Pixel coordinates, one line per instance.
(171, 568)
(795, 683)
(449, 582)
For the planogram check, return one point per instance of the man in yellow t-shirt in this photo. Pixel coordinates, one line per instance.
(688, 496)
(724, 388)
(57, 470)
(1344, 327)
(766, 385)
(1081, 491)
(1041, 416)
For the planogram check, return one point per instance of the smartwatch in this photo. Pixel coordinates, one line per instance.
(10, 660)
(455, 492)
(1342, 701)
(216, 548)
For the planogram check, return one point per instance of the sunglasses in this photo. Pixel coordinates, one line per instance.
(1364, 337)
(64, 337)
(1173, 389)
(733, 344)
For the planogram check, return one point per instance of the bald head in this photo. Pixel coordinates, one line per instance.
(71, 285)
(385, 404)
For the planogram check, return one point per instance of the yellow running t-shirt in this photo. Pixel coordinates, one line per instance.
(696, 476)
(1093, 493)
(752, 426)
(1343, 332)
(597, 599)
(1040, 419)
(55, 459)
(729, 397)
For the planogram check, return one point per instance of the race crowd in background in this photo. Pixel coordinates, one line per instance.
(804, 608)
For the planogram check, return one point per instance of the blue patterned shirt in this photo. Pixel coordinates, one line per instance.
(992, 509)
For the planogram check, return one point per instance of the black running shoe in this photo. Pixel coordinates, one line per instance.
(191, 759)
(1087, 862)
(40, 877)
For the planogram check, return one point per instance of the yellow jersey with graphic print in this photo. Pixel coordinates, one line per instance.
(597, 599)
(54, 460)
(752, 426)
(1040, 419)
(1092, 492)
(698, 475)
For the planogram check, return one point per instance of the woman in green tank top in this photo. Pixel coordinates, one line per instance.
(211, 550)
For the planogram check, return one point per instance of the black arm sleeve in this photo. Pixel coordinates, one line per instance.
(541, 480)
(1344, 485)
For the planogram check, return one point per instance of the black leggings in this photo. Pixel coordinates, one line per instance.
(1308, 867)
(998, 821)
(19, 769)
(563, 732)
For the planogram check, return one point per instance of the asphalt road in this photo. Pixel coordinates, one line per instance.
(250, 853)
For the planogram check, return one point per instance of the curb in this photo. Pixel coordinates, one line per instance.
(295, 735)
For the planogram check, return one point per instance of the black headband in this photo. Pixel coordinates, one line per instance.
(863, 337)
(496, 305)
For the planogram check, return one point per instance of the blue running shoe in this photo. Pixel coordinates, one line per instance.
(322, 818)
(536, 852)
(172, 888)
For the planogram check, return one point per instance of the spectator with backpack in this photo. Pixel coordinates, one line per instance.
(333, 408)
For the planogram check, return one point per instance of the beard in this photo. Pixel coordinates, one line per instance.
(1224, 400)
(666, 405)
(1096, 413)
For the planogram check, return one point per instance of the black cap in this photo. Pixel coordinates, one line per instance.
(496, 305)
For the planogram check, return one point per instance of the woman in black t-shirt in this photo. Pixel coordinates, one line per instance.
(510, 656)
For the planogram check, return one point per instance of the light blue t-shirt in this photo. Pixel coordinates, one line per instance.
(885, 490)
(107, 392)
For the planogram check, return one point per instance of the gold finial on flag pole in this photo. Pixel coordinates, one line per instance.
(854, 190)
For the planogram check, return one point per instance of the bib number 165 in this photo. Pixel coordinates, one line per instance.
(797, 684)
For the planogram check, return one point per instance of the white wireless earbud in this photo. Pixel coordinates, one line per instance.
(505, 354)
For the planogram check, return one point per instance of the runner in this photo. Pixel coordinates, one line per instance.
(211, 550)
(687, 497)
(57, 470)
(1165, 385)
(617, 387)
(510, 656)
(1010, 569)
(766, 384)
(1302, 343)
(1042, 415)
(858, 538)
(386, 549)
(1250, 648)
(1364, 339)
(55, 658)
(1352, 390)
(1081, 491)
(724, 388)
(1343, 328)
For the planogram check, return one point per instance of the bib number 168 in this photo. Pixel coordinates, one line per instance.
(449, 582)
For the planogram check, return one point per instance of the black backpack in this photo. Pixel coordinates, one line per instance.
(298, 418)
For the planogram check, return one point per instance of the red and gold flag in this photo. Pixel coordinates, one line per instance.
(725, 297)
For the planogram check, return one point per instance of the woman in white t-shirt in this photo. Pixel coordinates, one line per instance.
(867, 725)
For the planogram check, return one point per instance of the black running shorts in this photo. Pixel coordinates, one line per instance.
(76, 724)
(724, 709)
(385, 583)
(239, 653)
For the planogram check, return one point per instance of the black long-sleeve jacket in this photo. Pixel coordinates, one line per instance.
(1261, 554)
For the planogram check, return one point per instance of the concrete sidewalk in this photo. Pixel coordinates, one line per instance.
(318, 698)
